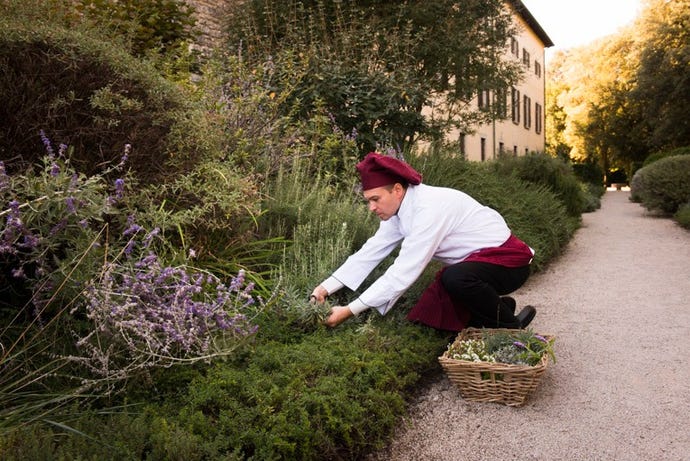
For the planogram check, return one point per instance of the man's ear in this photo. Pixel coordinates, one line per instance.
(398, 189)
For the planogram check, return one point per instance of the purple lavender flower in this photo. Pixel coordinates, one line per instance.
(125, 155)
(30, 241)
(69, 201)
(352, 136)
(119, 188)
(132, 229)
(18, 273)
(148, 238)
(57, 228)
(47, 144)
(129, 247)
(74, 181)
(54, 169)
(541, 338)
(519, 345)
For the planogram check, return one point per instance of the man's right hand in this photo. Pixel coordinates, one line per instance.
(319, 295)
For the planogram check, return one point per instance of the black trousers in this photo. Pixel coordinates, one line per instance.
(479, 287)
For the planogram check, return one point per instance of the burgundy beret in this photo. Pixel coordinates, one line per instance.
(378, 170)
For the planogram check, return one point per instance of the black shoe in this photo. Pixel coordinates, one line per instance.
(509, 302)
(526, 316)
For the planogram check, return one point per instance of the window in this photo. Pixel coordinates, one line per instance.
(502, 103)
(515, 151)
(537, 69)
(515, 106)
(484, 99)
(461, 142)
(525, 58)
(483, 147)
(527, 112)
(501, 148)
(537, 118)
(514, 47)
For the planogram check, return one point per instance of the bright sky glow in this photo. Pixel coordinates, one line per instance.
(572, 23)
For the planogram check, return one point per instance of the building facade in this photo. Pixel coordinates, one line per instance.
(523, 129)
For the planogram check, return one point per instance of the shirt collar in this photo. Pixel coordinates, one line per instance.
(405, 208)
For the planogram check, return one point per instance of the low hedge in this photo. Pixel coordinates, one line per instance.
(665, 153)
(554, 173)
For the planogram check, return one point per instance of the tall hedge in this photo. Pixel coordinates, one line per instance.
(86, 93)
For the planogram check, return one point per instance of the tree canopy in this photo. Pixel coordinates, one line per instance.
(374, 64)
(623, 97)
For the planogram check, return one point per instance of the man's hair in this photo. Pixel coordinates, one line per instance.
(402, 182)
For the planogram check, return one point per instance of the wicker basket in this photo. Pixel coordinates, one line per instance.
(493, 382)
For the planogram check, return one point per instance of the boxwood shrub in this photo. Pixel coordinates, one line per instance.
(89, 94)
(663, 185)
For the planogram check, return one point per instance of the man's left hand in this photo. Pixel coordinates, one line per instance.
(338, 315)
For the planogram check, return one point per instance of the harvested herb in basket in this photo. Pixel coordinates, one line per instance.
(517, 347)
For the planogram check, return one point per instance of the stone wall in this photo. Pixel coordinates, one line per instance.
(209, 15)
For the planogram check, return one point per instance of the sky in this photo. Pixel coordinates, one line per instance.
(571, 23)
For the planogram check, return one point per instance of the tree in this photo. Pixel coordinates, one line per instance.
(374, 64)
(663, 76)
(624, 96)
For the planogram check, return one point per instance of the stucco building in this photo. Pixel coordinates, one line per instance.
(523, 129)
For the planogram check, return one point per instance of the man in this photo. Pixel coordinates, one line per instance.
(483, 260)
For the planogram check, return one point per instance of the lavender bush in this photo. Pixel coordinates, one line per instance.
(73, 258)
(146, 314)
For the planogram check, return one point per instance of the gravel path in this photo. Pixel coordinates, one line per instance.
(618, 302)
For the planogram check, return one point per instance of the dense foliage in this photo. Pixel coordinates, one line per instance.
(620, 98)
(663, 185)
(373, 65)
(299, 391)
(87, 94)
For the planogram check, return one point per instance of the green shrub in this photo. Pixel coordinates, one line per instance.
(592, 193)
(147, 24)
(548, 171)
(663, 185)
(92, 96)
(682, 216)
(589, 172)
(666, 153)
(336, 394)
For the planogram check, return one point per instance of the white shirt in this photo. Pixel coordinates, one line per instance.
(432, 223)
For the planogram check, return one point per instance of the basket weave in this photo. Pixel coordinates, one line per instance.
(493, 382)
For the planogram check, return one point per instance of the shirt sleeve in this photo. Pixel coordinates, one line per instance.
(331, 285)
(428, 230)
(359, 265)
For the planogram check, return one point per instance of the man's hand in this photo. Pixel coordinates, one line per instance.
(338, 315)
(319, 294)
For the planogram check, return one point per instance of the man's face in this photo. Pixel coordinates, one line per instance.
(385, 200)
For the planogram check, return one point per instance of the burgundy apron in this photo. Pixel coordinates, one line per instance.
(436, 309)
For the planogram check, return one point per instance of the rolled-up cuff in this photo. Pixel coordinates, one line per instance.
(357, 306)
(332, 284)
